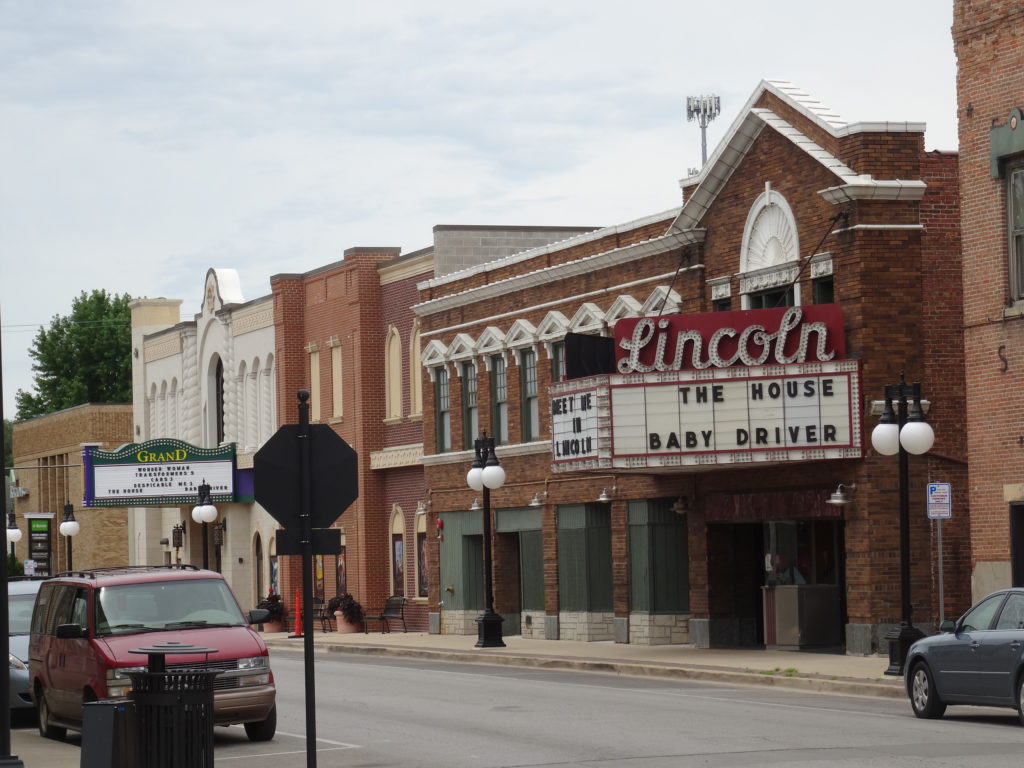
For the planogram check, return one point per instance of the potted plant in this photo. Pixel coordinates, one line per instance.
(347, 611)
(275, 621)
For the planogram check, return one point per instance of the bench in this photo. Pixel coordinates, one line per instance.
(394, 610)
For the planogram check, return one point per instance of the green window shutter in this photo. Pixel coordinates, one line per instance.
(531, 561)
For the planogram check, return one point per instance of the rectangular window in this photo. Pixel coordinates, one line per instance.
(528, 388)
(442, 410)
(470, 423)
(499, 400)
(558, 361)
(773, 297)
(314, 385)
(336, 391)
(824, 290)
(1015, 196)
(722, 305)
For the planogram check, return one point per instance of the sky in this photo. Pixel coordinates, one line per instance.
(142, 143)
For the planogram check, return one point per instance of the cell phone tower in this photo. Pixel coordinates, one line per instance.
(703, 109)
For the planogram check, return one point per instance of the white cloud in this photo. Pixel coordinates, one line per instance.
(142, 143)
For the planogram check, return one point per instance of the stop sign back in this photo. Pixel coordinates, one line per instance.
(277, 476)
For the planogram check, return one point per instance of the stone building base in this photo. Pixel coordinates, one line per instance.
(869, 639)
(587, 627)
(659, 629)
(532, 625)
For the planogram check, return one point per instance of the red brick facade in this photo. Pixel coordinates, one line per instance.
(895, 272)
(350, 307)
(989, 41)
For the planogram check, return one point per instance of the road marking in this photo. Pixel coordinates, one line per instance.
(338, 744)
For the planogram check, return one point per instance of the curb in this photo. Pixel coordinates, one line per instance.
(816, 683)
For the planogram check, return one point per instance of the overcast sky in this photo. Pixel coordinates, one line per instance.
(142, 143)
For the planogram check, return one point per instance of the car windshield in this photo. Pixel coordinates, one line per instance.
(166, 605)
(19, 613)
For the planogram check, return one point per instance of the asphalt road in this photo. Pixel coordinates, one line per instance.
(379, 711)
(387, 712)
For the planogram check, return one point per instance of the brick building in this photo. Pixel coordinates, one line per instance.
(626, 516)
(988, 38)
(47, 453)
(345, 332)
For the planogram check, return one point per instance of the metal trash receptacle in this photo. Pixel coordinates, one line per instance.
(108, 734)
(173, 711)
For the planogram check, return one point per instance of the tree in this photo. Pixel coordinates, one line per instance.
(82, 358)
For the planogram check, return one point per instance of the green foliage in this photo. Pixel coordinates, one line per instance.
(84, 357)
(14, 566)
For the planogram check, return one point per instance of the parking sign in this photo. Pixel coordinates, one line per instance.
(940, 501)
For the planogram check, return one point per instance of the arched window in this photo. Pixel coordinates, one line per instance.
(392, 375)
(218, 394)
(415, 371)
(397, 551)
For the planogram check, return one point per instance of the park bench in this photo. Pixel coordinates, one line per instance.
(394, 610)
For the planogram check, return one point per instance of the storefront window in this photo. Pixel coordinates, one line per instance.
(801, 552)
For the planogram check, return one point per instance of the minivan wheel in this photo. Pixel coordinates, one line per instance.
(263, 730)
(46, 730)
(924, 699)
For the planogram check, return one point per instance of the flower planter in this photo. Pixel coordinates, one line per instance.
(273, 626)
(343, 625)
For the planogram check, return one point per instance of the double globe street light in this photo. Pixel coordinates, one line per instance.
(69, 528)
(484, 476)
(204, 512)
(902, 432)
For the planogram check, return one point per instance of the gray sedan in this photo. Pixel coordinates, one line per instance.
(978, 659)
(21, 597)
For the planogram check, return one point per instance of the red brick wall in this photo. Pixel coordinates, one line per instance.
(989, 42)
(893, 265)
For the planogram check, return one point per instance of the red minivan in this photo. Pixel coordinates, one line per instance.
(86, 623)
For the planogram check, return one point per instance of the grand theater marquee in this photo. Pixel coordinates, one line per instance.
(721, 388)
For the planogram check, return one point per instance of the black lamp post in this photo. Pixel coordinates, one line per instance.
(69, 527)
(13, 532)
(486, 474)
(177, 540)
(902, 433)
(204, 512)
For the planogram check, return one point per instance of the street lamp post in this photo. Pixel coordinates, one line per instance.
(486, 475)
(13, 532)
(901, 433)
(204, 512)
(69, 527)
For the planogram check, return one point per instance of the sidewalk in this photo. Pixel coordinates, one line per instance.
(836, 673)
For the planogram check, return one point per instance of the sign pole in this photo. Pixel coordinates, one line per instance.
(307, 575)
(942, 591)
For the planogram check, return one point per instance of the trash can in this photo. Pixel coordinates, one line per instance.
(173, 710)
(108, 734)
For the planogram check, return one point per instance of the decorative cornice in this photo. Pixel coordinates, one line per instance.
(252, 319)
(162, 347)
(398, 456)
(546, 275)
(870, 189)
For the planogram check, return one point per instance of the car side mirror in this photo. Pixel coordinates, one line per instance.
(258, 615)
(947, 626)
(70, 631)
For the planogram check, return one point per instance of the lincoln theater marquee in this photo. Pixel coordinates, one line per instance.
(768, 385)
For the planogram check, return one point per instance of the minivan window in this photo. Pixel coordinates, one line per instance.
(166, 605)
(19, 613)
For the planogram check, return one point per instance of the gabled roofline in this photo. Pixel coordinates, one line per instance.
(747, 126)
